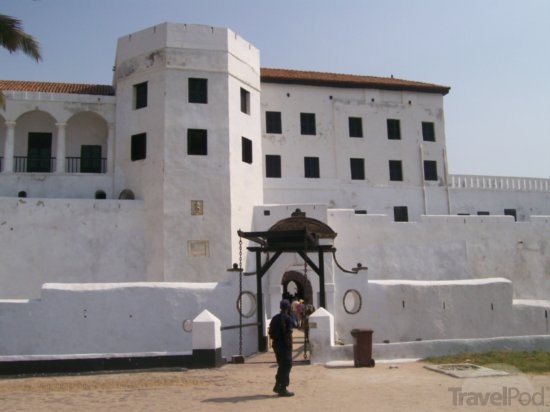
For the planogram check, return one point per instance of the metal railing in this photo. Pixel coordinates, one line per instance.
(24, 164)
(86, 165)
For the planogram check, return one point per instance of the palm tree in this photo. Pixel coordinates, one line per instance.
(13, 38)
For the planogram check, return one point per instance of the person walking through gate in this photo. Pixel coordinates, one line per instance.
(280, 331)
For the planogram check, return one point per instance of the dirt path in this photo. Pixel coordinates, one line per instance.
(246, 387)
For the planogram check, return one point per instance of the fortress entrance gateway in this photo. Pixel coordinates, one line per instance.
(296, 234)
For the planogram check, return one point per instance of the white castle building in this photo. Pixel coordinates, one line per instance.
(122, 208)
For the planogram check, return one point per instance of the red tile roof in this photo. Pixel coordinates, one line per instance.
(347, 81)
(283, 76)
(51, 87)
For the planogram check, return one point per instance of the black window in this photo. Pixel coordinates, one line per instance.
(428, 132)
(355, 127)
(430, 170)
(197, 142)
(139, 146)
(400, 214)
(246, 150)
(394, 129)
(396, 170)
(311, 167)
(357, 169)
(39, 152)
(307, 123)
(90, 159)
(273, 123)
(511, 212)
(272, 166)
(198, 90)
(140, 95)
(245, 101)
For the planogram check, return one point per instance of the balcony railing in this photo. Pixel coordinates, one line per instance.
(86, 165)
(25, 164)
(500, 183)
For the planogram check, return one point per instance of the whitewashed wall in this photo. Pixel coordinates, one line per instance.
(111, 318)
(68, 240)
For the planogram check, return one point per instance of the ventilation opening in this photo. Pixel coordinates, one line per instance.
(100, 194)
(126, 194)
(22, 193)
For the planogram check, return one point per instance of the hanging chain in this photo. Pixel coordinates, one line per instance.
(240, 295)
(304, 308)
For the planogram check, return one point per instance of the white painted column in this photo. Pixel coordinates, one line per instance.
(60, 154)
(8, 147)
(110, 149)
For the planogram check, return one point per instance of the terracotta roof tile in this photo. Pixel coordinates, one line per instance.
(347, 81)
(52, 87)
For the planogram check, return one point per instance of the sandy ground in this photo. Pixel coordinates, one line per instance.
(248, 387)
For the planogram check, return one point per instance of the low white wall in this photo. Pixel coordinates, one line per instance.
(70, 241)
(118, 318)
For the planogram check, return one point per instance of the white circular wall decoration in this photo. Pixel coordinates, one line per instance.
(246, 304)
(187, 325)
(352, 301)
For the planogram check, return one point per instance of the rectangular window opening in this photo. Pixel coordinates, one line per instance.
(246, 145)
(396, 170)
(400, 214)
(357, 167)
(140, 95)
(311, 167)
(245, 101)
(273, 122)
(197, 142)
(355, 127)
(428, 132)
(90, 159)
(273, 166)
(139, 146)
(430, 170)
(307, 124)
(198, 90)
(394, 129)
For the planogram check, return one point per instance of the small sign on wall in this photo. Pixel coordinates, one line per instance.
(197, 208)
(198, 248)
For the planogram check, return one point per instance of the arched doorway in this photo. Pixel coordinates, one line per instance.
(303, 289)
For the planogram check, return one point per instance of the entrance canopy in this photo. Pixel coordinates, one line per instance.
(294, 234)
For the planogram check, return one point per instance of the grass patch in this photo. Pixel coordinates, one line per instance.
(527, 362)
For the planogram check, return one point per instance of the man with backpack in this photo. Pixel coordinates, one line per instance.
(280, 331)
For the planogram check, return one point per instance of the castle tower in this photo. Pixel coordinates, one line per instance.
(189, 144)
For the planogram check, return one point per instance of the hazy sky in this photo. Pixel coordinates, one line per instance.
(494, 54)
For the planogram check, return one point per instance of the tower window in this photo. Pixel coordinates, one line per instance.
(198, 90)
(245, 101)
(139, 146)
(197, 142)
(246, 145)
(140, 95)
